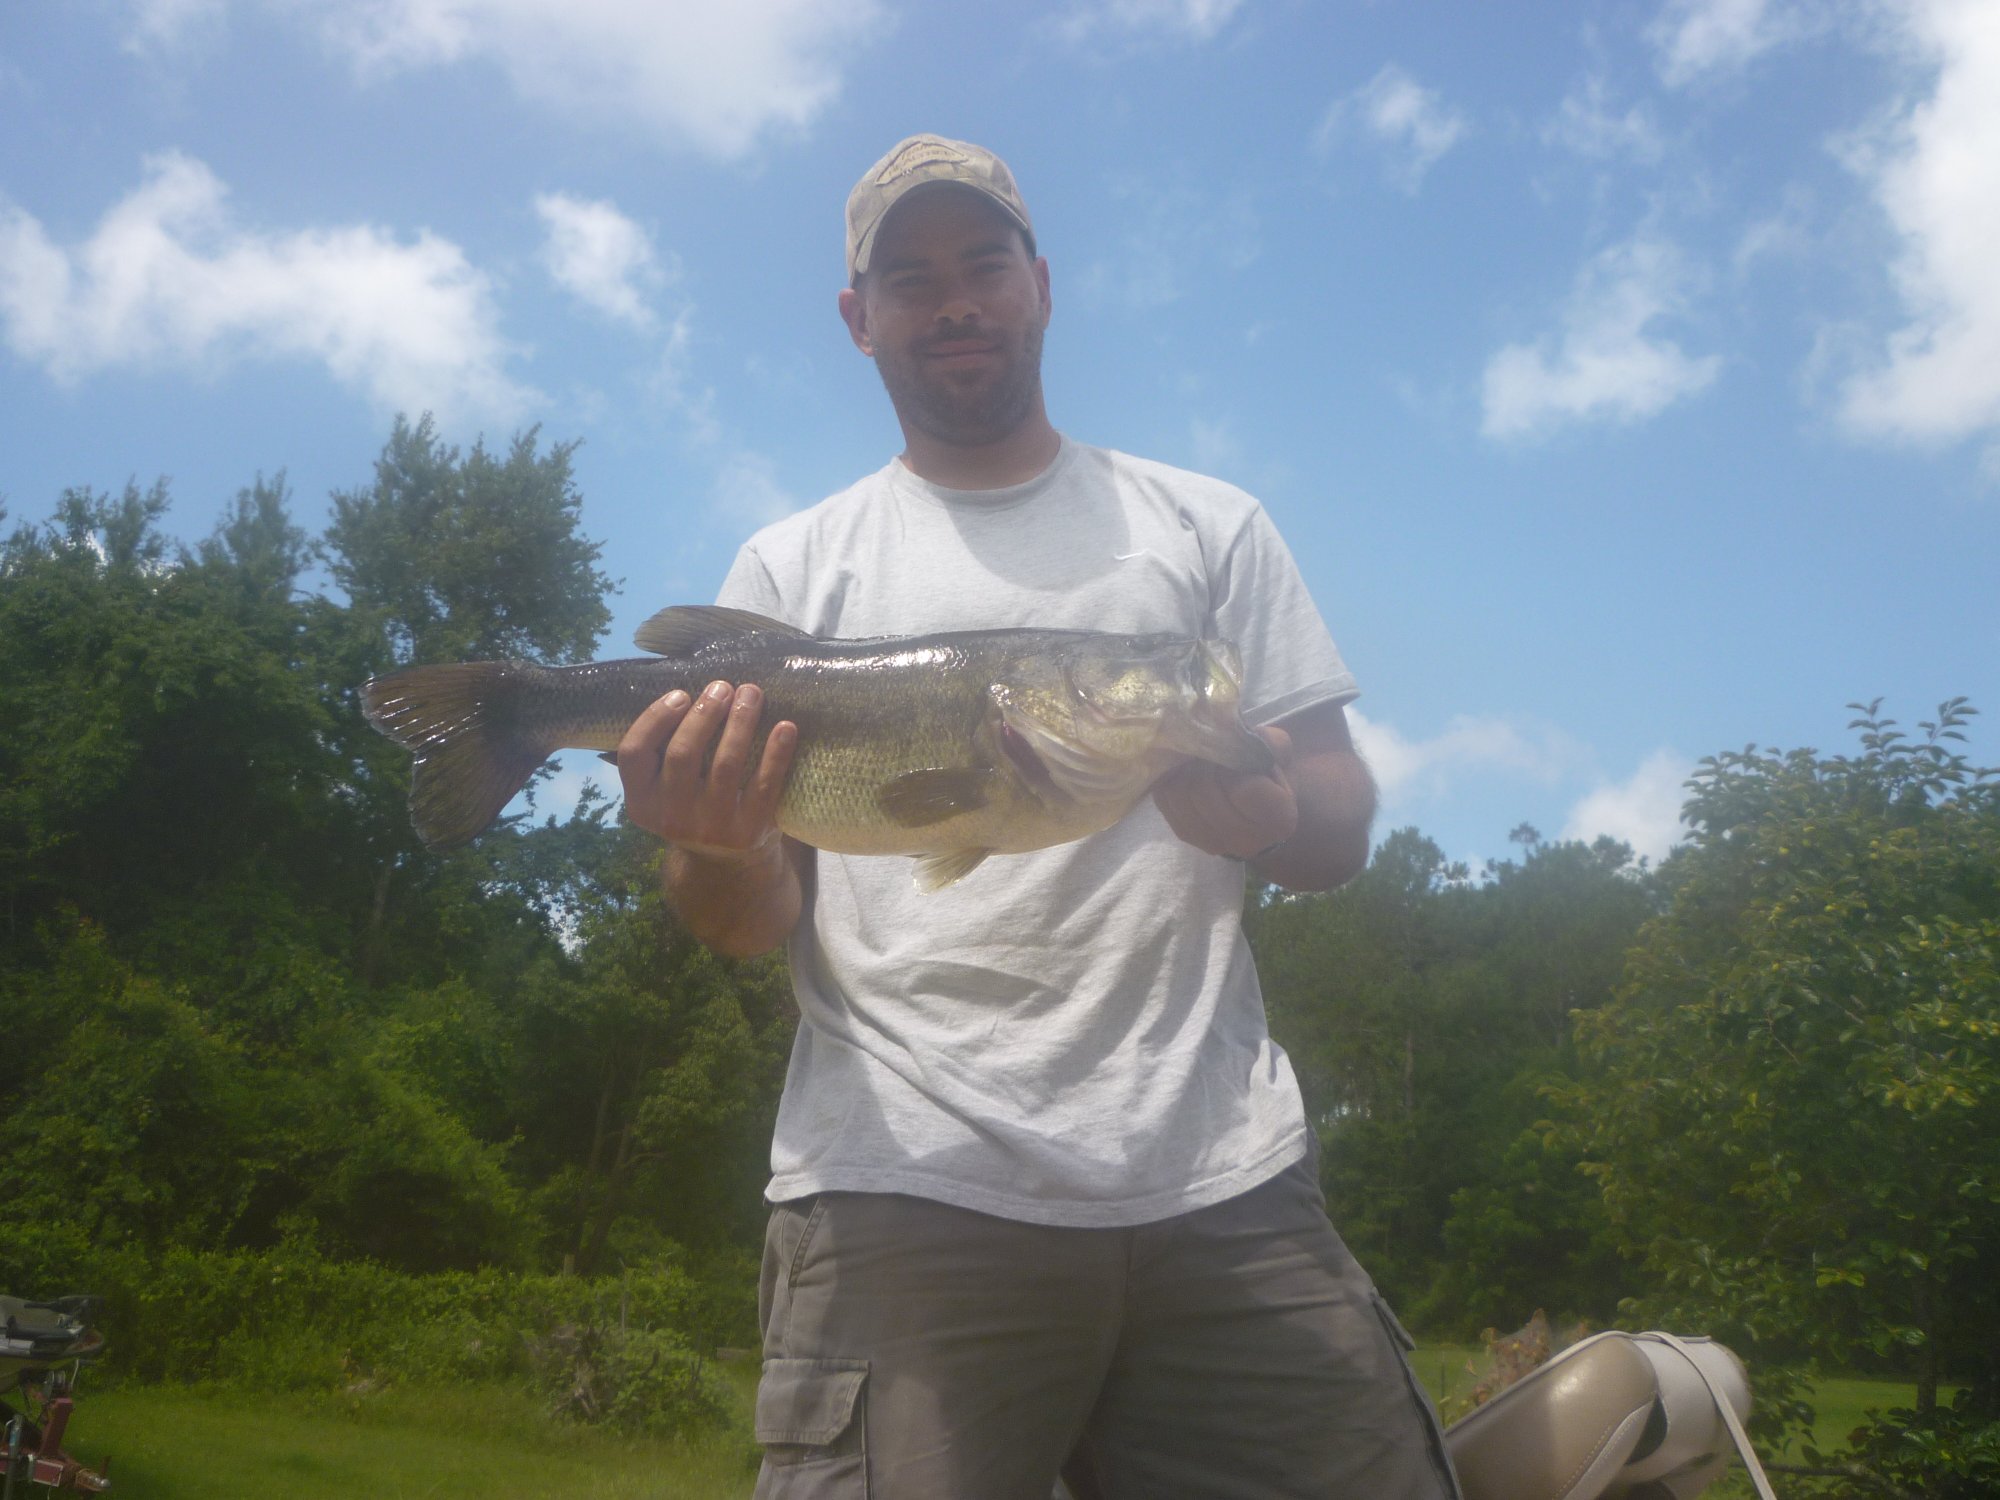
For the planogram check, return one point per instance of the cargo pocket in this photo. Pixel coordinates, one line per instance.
(812, 1421)
(1399, 1338)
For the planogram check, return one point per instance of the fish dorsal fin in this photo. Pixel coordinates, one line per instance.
(934, 872)
(918, 799)
(683, 629)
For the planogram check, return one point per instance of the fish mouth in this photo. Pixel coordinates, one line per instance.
(1216, 731)
(1233, 746)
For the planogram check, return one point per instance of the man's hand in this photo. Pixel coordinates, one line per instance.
(682, 764)
(730, 874)
(1305, 827)
(1237, 814)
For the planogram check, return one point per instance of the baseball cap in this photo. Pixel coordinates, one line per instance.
(918, 162)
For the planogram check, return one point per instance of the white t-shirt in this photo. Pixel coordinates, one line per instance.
(1073, 1036)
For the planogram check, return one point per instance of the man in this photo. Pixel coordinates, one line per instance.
(1044, 1194)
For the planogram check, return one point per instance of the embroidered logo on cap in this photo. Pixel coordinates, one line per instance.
(919, 153)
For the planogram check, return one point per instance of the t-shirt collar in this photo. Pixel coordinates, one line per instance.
(904, 481)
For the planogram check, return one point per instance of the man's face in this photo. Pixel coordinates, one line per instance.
(953, 309)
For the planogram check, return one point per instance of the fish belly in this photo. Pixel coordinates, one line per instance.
(833, 802)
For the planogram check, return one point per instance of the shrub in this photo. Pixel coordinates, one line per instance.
(1953, 1453)
(291, 1319)
(637, 1380)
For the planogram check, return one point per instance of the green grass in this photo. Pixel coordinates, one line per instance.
(1442, 1369)
(178, 1443)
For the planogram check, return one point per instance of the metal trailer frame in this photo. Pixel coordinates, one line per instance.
(43, 1348)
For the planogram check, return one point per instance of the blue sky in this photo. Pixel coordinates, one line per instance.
(1625, 376)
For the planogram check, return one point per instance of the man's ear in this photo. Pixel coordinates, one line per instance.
(854, 313)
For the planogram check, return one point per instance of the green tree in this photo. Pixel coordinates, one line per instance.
(473, 557)
(121, 1113)
(448, 557)
(186, 781)
(1421, 1010)
(1793, 1106)
(1524, 1229)
(650, 1067)
(160, 722)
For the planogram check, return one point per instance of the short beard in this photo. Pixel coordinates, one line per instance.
(962, 418)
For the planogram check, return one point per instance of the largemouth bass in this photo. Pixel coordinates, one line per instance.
(944, 747)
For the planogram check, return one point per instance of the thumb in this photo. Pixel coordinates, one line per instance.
(1280, 743)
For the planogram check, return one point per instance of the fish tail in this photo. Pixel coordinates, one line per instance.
(458, 721)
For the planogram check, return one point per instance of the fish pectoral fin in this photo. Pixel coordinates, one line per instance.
(683, 629)
(918, 799)
(934, 872)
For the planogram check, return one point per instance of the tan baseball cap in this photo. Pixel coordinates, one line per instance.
(918, 162)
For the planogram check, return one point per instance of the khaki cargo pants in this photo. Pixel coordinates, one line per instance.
(916, 1351)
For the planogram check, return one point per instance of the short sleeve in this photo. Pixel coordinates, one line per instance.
(1260, 602)
(749, 585)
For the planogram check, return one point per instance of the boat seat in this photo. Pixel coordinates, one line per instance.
(1618, 1416)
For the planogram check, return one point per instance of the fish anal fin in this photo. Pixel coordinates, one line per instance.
(918, 799)
(458, 790)
(683, 629)
(934, 872)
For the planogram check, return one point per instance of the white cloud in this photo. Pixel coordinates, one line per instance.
(673, 384)
(1936, 172)
(168, 280)
(1406, 768)
(1189, 20)
(1411, 122)
(747, 490)
(168, 24)
(1644, 810)
(1588, 124)
(1696, 38)
(1213, 447)
(1178, 235)
(719, 77)
(1786, 234)
(600, 257)
(1607, 361)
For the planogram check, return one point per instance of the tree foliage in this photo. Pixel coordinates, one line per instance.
(473, 557)
(1793, 1106)
(1420, 1008)
(245, 1005)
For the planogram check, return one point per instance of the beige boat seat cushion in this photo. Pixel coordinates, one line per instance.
(1618, 1416)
